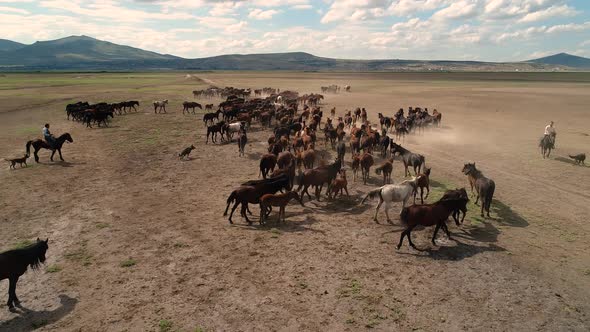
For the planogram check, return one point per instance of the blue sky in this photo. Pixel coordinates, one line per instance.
(491, 30)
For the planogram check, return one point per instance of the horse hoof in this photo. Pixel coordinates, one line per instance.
(397, 247)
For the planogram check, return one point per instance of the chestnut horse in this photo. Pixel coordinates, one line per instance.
(280, 200)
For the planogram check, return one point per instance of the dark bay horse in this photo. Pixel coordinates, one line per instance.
(547, 143)
(39, 144)
(14, 263)
(409, 158)
(484, 187)
(428, 215)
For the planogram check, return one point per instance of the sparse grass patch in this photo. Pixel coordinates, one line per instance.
(102, 225)
(165, 325)
(39, 324)
(180, 245)
(128, 263)
(80, 255)
(53, 268)
(353, 287)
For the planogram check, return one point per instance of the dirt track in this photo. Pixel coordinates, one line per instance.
(123, 197)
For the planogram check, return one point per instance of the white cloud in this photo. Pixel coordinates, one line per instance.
(260, 14)
(302, 7)
(356, 10)
(463, 9)
(532, 32)
(553, 11)
(14, 10)
(406, 7)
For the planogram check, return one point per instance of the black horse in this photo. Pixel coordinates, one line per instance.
(547, 143)
(409, 159)
(41, 144)
(14, 263)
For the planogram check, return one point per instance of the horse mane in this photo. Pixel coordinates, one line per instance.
(33, 254)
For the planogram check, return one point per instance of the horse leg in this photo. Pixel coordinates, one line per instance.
(60, 157)
(377, 209)
(36, 155)
(446, 229)
(421, 195)
(52, 153)
(410, 236)
(262, 208)
(232, 211)
(435, 232)
(243, 213)
(387, 212)
(12, 299)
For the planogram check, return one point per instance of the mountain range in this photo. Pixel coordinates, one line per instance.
(86, 53)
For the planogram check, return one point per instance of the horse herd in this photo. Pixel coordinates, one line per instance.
(293, 160)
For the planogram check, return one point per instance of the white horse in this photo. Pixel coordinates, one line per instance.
(390, 193)
(161, 104)
(235, 128)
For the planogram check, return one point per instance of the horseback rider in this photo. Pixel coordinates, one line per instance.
(550, 132)
(48, 136)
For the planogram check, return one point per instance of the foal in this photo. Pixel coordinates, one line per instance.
(424, 182)
(386, 168)
(281, 200)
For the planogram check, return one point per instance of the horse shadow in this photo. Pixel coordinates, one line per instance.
(569, 161)
(29, 320)
(289, 226)
(106, 127)
(506, 215)
(60, 163)
(457, 252)
(254, 155)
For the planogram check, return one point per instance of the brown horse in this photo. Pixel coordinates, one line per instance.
(267, 164)
(386, 168)
(281, 200)
(484, 187)
(428, 215)
(39, 144)
(317, 177)
(339, 185)
(252, 193)
(366, 163)
(423, 182)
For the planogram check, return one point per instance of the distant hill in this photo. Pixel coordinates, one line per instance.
(9, 45)
(74, 51)
(564, 59)
(81, 53)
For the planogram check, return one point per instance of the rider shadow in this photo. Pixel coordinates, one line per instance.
(29, 320)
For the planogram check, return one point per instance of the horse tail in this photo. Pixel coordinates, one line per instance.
(403, 216)
(230, 199)
(29, 147)
(490, 195)
(372, 194)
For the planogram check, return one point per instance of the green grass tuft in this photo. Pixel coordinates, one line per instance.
(128, 263)
(53, 268)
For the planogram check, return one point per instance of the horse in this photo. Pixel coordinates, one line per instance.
(235, 127)
(339, 185)
(390, 193)
(366, 162)
(161, 105)
(484, 187)
(212, 130)
(41, 144)
(424, 182)
(458, 194)
(242, 140)
(547, 143)
(190, 105)
(252, 193)
(341, 151)
(317, 177)
(267, 164)
(428, 215)
(209, 117)
(386, 168)
(409, 159)
(579, 159)
(14, 263)
(267, 201)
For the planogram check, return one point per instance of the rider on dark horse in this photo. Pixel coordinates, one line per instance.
(550, 133)
(48, 136)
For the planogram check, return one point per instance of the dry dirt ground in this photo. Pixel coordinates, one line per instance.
(138, 241)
